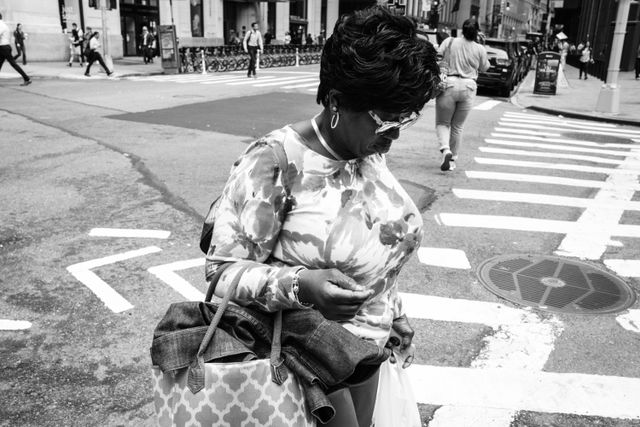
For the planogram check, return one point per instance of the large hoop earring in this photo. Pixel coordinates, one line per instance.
(334, 120)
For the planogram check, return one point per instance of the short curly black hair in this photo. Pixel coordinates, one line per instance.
(377, 62)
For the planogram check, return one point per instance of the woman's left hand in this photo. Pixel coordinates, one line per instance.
(403, 340)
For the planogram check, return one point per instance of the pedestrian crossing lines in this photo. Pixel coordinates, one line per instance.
(535, 144)
(287, 80)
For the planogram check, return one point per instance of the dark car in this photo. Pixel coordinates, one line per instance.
(504, 67)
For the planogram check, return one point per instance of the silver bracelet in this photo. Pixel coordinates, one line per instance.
(295, 288)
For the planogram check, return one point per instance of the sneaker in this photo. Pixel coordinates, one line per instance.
(26, 83)
(446, 160)
(452, 165)
(87, 75)
(109, 74)
(69, 64)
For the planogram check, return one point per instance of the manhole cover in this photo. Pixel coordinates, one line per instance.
(555, 284)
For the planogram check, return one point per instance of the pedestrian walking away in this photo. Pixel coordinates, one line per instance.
(638, 62)
(84, 49)
(94, 55)
(252, 44)
(75, 45)
(463, 57)
(19, 37)
(339, 254)
(5, 51)
(586, 58)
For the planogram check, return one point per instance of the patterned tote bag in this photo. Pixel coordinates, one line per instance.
(257, 393)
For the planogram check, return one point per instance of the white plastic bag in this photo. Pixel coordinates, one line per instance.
(395, 403)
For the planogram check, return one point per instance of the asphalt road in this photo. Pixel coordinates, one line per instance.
(151, 154)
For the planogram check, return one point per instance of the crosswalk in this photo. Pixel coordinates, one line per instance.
(306, 81)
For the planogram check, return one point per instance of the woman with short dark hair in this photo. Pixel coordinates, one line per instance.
(331, 231)
(463, 58)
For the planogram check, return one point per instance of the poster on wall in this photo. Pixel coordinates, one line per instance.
(196, 18)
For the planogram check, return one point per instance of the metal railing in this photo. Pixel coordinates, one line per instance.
(231, 58)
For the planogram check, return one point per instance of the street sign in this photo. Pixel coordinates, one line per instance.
(547, 69)
(168, 48)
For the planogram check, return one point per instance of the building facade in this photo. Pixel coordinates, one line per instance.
(197, 22)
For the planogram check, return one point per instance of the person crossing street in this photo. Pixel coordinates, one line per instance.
(252, 44)
(5, 52)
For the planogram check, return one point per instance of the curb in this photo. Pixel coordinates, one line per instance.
(582, 116)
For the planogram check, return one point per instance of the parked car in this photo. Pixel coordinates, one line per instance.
(504, 67)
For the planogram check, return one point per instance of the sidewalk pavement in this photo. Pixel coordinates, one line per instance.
(578, 98)
(132, 66)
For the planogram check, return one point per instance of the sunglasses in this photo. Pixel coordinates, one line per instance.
(385, 126)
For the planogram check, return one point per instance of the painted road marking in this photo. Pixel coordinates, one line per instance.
(554, 166)
(550, 119)
(607, 132)
(113, 300)
(630, 320)
(231, 79)
(624, 267)
(251, 81)
(14, 325)
(565, 141)
(545, 199)
(314, 84)
(592, 232)
(443, 257)
(166, 273)
(526, 132)
(487, 105)
(562, 147)
(287, 81)
(567, 156)
(521, 340)
(542, 179)
(522, 389)
(518, 223)
(128, 232)
(511, 119)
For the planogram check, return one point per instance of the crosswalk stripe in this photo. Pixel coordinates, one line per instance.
(540, 179)
(547, 119)
(241, 81)
(609, 132)
(444, 257)
(254, 82)
(487, 105)
(562, 148)
(311, 79)
(313, 83)
(517, 223)
(527, 136)
(544, 199)
(566, 156)
(554, 166)
(561, 124)
(525, 132)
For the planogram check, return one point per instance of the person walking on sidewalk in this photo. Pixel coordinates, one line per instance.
(463, 57)
(146, 42)
(84, 48)
(586, 58)
(5, 52)
(252, 44)
(638, 62)
(19, 37)
(75, 45)
(94, 55)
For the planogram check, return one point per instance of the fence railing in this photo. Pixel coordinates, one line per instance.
(231, 58)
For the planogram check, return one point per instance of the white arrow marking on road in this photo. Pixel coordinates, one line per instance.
(129, 232)
(113, 300)
(167, 274)
(14, 325)
(487, 105)
(443, 257)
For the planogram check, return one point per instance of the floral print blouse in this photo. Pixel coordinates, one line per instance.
(350, 215)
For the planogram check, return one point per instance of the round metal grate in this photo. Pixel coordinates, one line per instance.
(555, 284)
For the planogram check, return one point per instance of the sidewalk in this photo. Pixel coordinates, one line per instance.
(132, 66)
(578, 98)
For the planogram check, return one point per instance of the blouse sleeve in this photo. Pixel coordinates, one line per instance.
(248, 220)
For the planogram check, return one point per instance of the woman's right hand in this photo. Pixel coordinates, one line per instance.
(335, 295)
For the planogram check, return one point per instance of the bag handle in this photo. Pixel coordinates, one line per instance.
(195, 377)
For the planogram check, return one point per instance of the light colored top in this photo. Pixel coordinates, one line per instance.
(352, 215)
(465, 57)
(94, 44)
(253, 38)
(5, 34)
(586, 54)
